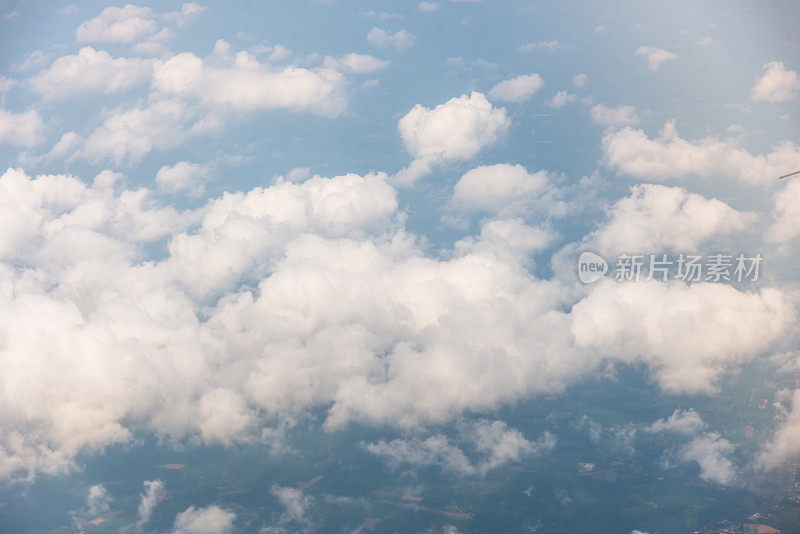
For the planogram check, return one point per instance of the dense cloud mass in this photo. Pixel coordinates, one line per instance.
(340, 308)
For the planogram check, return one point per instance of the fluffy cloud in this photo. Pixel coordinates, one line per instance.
(787, 213)
(561, 99)
(670, 157)
(711, 451)
(318, 283)
(21, 129)
(686, 422)
(655, 56)
(90, 71)
(454, 131)
(183, 176)
(618, 116)
(357, 63)
(550, 46)
(494, 442)
(382, 38)
(785, 442)
(245, 84)
(502, 189)
(517, 89)
(118, 25)
(711, 326)
(153, 493)
(209, 520)
(656, 218)
(98, 500)
(777, 85)
(580, 80)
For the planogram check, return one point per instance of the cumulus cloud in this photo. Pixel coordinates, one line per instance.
(561, 99)
(183, 176)
(245, 84)
(614, 116)
(494, 442)
(208, 520)
(778, 84)
(316, 282)
(711, 451)
(90, 71)
(686, 422)
(153, 493)
(400, 39)
(454, 131)
(517, 89)
(21, 129)
(671, 157)
(580, 80)
(118, 25)
(505, 190)
(709, 341)
(98, 500)
(655, 56)
(784, 445)
(656, 218)
(357, 63)
(786, 213)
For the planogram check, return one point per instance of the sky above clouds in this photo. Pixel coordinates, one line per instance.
(215, 220)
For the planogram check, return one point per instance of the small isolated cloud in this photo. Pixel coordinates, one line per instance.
(68, 10)
(209, 520)
(454, 131)
(618, 116)
(517, 89)
(778, 84)
(98, 501)
(21, 129)
(427, 6)
(711, 451)
(357, 63)
(655, 56)
(686, 422)
(549, 46)
(579, 80)
(705, 42)
(382, 38)
(153, 493)
(561, 99)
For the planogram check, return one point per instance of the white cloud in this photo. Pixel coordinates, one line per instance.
(655, 56)
(501, 189)
(118, 25)
(153, 493)
(708, 342)
(711, 452)
(550, 46)
(670, 157)
(357, 63)
(784, 445)
(705, 42)
(617, 117)
(561, 99)
(454, 131)
(517, 89)
(90, 71)
(786, 213)
(656, 218)
(427, 6)
(183, 176)
(21, 129)
(493, 442)
(98, 500)
(777, 85)
(686, 422)
(580, 80)
(245, 84)
(208, 520)
(66, 145)
(382, 38)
